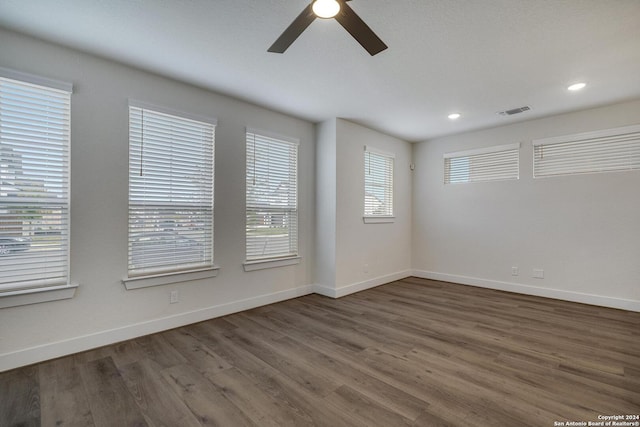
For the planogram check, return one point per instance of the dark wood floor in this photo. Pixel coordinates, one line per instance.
(411, 353)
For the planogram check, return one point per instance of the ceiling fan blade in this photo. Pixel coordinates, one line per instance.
(359, 30)
(294, 30)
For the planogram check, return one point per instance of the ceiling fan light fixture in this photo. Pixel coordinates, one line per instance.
(326, 8)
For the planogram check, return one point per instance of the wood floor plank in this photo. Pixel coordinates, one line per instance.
(384, 394)
(413, 352)
(198, 354)
(122, 353)
(342, 321)
(271, 381)
(20, 398)
(156, 348)
(160, 405)
(209, 405)
(451, 394)
(359, 409)
(63, 397)
(353, 359)
(263, 376)
(262, 408)
(486, 377)
(288, 363)
(109, 400)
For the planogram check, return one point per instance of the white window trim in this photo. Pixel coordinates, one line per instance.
(165, 110)
(586, 135)
(370, 149)
(36, 80)
(271, 263)
(381, 219)
(131, 283)
(37, 295)
(378, 219)
(273, 135)
(483, 150)
(54, 292)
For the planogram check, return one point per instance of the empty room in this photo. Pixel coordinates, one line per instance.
(319, 213)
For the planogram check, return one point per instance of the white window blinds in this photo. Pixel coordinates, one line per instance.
(34, 185)
(170, 192)
(495, 163)
(378, 183)
(272, 196)
(601, 151)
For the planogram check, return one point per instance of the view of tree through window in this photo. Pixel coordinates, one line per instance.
(34, 185)
(170, 192)
(272, 197)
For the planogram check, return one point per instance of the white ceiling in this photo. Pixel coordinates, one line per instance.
(476, 57)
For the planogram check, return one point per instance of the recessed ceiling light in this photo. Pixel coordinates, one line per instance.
(454, 116)
(577, 86)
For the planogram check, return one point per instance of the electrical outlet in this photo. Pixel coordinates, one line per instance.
(173, 297)
(366, 268)
(538, 273)
(515, 271)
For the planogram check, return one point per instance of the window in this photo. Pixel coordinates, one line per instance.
(601, 151)
(170, 192)
(496, 163)
(272, 196)
(34, 185)
(378, 184)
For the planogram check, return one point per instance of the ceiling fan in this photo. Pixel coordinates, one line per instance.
(326, 9)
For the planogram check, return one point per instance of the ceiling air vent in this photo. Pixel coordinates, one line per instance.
(514, 111)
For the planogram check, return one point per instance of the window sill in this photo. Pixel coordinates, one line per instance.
(37, 295)
(168, 278)
(270, 263)
(378, 219)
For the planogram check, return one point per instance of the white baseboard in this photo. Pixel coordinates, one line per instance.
(360, 286)
(599, 300)
(57, 349)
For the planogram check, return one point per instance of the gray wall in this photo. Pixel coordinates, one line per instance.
(102, 310)
(385, 249)
(583, 230)
(352, 255)
(325, 269)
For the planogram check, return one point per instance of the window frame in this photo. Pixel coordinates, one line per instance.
(388, 188)
(180, 272)
(579, 150)
(253, 263)
(48, 289)
(487, 172)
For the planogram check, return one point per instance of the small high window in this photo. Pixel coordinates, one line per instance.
(484, 164)
(607, 150)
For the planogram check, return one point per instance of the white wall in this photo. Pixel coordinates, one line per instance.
(384, 248)
(102, 310)
(325, 266)
(582, 230)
